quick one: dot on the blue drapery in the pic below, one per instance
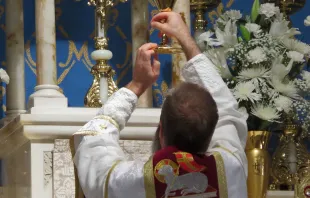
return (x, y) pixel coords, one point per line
(75, 30)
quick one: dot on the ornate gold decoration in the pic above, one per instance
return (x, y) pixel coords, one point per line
(302, 189)
(102, 8)
(149, 183)
(164, 47)
(288, 7)
(258, 163)
(220, 169)
(281, 171)
(200, 7)
(102, 68)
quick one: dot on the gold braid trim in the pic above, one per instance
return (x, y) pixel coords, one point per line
(95, 133)
(106, 186)
(149, 183)
(107, 118)
(86, 132)
(221, 175)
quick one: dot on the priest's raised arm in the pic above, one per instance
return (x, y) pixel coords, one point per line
(103, 170)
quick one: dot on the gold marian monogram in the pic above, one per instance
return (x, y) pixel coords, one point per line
(81, 54)
(259, 166)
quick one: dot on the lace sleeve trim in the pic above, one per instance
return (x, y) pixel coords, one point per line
(200, 70)
(119, 107)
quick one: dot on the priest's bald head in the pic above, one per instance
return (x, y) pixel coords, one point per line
(188, 119)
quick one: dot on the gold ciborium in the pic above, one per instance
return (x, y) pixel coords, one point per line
(164, 47)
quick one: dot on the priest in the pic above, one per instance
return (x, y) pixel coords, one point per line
(200, 138)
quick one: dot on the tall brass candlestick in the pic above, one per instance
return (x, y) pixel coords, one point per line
(103, 85)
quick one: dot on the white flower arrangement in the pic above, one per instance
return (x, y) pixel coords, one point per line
(262, 63)
(307, 21)
(4, 77)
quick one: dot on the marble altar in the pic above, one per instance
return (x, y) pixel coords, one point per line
(36, 153)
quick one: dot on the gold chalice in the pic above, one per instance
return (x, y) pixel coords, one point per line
(164, 47)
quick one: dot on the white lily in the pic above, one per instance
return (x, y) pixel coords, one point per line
(307, 21)
(206, 38)
(4, 77)
(229, 36)
(288, 89)
(280, 70)
(219, 59)
(280, 29)
(296, 45)
(296, 56)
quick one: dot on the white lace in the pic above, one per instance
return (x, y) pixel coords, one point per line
(200, 70)
(120, 106)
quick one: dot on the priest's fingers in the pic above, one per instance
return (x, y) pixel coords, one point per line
(146, 51)
(161, 16)
(156, 66)
(148, 46)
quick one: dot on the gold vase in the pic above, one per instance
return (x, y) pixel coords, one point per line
(258, 162)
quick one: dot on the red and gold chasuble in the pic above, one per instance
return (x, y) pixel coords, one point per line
(173, 173)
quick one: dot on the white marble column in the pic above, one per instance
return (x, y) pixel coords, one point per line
(140, 36)
(15, 57)
(46, 56)
(178, 60)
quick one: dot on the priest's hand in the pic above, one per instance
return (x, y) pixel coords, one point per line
(173, 25)
(146, 70)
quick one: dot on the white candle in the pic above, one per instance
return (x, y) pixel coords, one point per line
(103, 90)
(292, 157)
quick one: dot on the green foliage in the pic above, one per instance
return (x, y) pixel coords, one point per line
(245, 33)
(255, 10)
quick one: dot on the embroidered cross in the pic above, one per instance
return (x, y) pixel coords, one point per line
(103, 126)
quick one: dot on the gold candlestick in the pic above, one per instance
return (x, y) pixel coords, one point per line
(102, 70)
(200, 7)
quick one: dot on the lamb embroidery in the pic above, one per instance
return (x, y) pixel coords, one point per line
(195, 182)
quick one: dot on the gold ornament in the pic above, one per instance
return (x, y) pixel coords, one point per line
(258, 163)
(284, 170)
(200, 7)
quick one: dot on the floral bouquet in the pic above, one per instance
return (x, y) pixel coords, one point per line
(263, 65)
